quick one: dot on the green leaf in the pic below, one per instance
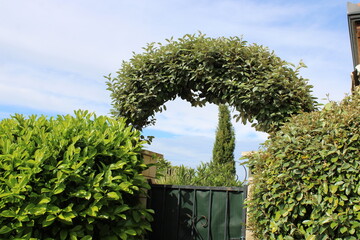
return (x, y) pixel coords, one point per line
(311, 237)
(299, 196)
(83, 194)
(92, 211)
(38, 210)
(53, 209)
(343, 229)
(65, 218)
(136, 216)
(333, 188)
(118, 165)
(123, 236)
(329, 106)
(87, 237)
(8, 213)
(73, 236)
(48, 220)
(59, 189)
(344, 197)
(63, 234)
(326, 220)
(3, 195)
(5, 229)
(131, 232)
(326, 188)
(45, 200)
(355, 224)
(333, 225)
(277, 215)
(121, 208)
(113, 195)
(339, 183)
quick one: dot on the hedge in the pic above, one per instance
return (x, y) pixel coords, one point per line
(71, 178)
(307, 177)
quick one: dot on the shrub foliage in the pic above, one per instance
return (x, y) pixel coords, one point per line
(307, 179)
(70, 178)
(206, 174)
(201, 69)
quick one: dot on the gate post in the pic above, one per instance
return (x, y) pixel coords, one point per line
(249, 233)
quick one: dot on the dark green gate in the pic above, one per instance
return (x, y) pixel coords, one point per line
(197, 213)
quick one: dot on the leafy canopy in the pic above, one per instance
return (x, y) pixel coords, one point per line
(307, 179)
(199, 69)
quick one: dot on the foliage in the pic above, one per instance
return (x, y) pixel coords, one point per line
(206, 174)
(200, 69)
(307, 179)
(224, 146)
(71, 178)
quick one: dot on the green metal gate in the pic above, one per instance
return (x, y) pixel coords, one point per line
(197, 213)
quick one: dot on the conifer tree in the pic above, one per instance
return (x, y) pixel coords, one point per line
(223, 151)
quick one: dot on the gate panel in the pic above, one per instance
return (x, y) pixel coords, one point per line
(197, 213)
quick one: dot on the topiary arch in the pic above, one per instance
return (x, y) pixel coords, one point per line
(200, 69)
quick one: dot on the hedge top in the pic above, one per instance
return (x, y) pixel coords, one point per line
(200, 69)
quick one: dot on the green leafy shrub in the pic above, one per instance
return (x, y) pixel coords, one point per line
(307, 179)
(206, 174)
(71, 178)
(199, 69)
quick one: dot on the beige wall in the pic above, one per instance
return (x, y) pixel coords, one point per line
(150, 157)
(150, 173)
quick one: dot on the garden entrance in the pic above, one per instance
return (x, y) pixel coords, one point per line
(197, 213)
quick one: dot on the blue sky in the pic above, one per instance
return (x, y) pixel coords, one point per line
(54, 54)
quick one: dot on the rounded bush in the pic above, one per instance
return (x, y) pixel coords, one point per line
(71, 178)
(307, 177)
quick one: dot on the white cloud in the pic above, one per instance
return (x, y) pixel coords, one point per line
(79, 38)
(89, 36)
(53, 82)
(30, 98)
(182, 119)
(49, 91)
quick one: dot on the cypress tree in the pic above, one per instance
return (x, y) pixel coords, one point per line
(223, 151)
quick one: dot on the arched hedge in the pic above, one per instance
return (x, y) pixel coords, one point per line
(199, 69)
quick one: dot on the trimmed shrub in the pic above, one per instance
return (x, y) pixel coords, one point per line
(307, 179)
(71, 178)
(224, 146)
